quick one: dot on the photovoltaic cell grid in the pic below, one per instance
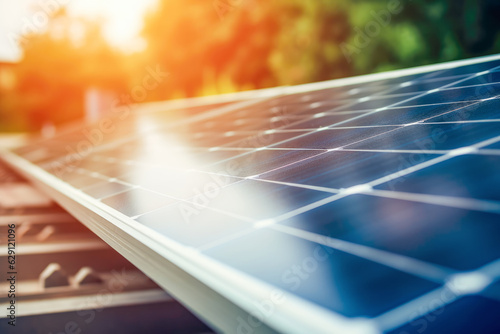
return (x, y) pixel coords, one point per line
(374, 200)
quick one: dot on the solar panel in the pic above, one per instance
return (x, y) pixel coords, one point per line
(360, 205)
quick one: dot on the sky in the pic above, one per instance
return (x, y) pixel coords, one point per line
(123, 20)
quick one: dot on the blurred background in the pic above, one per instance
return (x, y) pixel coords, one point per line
(63, 60)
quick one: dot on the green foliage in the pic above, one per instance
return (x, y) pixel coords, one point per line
(235, 45)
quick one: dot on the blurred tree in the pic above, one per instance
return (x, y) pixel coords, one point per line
(58, 65)
(230, 45)
(426, 32)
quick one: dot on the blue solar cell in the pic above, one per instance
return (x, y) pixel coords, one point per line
(404, 115)
(377, 102)
(191, 224)
(311, 108)
(207, 157)
(451, 94)
(333, 279)
(262, 139)
(137, 201)
(346, 92)
(455, 238)
(402, 79)
(221, 124)
(494, 146)
(471, 69)
(296, 104)
(180, 184)
(458, 176)
(320, 121)
(333, 138)
(425, 85)
(492, 291)
(259, 200)
(343, 169)
(219, 138)
(492, 77)
(471, 314)
(257, 162)
(476, 111)
(431, 137)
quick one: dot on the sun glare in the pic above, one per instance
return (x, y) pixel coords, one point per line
(123, 20)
